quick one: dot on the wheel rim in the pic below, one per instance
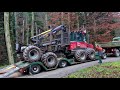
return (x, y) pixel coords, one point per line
(92, 55)
(82, 56)
(35, 69)
(117, 53)
(63, 63)
(33, 54)
(51, 60)
(104, 56)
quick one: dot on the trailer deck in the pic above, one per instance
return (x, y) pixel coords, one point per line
(109, 44)
(15, 68)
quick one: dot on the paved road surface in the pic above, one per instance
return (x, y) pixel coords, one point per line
(61, 72)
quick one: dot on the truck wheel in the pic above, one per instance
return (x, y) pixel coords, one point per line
(117, 53)
(34, 69)
(80, 56)
(49, 59)
(104, 56)
(62, 64)
(90, 53)
(32, 53)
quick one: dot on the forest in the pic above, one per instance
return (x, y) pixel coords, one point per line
(18, 27)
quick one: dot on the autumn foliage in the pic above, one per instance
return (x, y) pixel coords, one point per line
(100, 25)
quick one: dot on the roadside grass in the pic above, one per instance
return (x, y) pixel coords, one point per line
(2, 66)
(105, 70)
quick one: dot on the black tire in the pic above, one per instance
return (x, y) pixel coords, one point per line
(117, 53)
(49, 59)
(80, 56)
(90, 53)
(63, 64)
(104, 56)
(32, 53)
(35, 69)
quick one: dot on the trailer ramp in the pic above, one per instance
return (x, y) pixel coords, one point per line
(11, 69)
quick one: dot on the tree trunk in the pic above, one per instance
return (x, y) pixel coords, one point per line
(62, 22)
(36, 28)
(26, 28)
(28, 35)
(46, 21)
(78, 21)
(7, 37)
(23, 32)
(69, 21)
(32, 26)
(94, 28)
(85, 20)
(16, 32)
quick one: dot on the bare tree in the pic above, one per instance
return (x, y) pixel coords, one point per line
(32, 26)
(23, 37)
(7, 37)
(69, 20)
(62, 15)
(46, 20)
(27, 28)
(78, 21)
(16, 27)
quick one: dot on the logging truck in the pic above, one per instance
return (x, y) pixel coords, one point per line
(56, 47)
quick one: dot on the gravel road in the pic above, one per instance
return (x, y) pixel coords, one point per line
(61, 72)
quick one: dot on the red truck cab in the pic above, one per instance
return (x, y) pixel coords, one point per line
(78, 40)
